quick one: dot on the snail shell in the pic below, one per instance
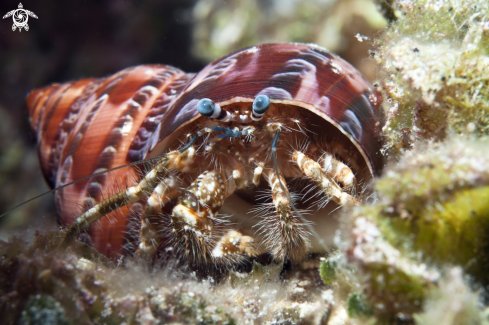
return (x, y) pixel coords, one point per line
(91, 125)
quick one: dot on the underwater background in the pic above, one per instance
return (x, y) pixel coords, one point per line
(418, 254)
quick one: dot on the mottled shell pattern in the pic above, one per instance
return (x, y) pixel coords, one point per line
(87, 126)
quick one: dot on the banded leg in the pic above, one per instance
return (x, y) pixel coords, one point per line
(331, 189)
(151, 221)
(174, 159)
(338, 171)
(283, 230)
(196, 231)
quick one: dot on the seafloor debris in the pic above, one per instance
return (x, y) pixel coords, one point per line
(39, 284)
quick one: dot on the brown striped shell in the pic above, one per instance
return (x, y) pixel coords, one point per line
(90, 125)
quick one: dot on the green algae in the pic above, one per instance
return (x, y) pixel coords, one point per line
(43, 309)
(327, 270)
(357, 306)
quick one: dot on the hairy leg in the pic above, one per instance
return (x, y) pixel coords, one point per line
(198, 233)
(151, 220)
(330, 188)
(284, 232)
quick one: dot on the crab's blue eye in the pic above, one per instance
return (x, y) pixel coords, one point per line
(207, 107)
(261, 105)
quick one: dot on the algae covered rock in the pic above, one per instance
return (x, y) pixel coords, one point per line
(421, 247)
(432, 212)
(435, 201)
(435, 60)
(41, 284)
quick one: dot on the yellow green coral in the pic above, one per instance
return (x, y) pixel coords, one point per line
(433, 203)
(436, 200)
(432, 212)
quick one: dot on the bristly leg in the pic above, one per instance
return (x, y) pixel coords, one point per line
(198, 233)
(233, 247)
(284, 232)
(152, 219)
(328, 186)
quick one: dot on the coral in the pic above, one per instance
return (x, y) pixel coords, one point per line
(435, 61)
(439, 203)
(432, 212)
(406, 255)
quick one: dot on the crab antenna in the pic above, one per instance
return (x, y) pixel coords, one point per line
(292, 205)
(182, 150)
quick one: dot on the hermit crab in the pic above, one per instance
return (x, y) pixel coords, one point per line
(287, 127)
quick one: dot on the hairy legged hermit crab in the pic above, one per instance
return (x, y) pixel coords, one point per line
(248, 123)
